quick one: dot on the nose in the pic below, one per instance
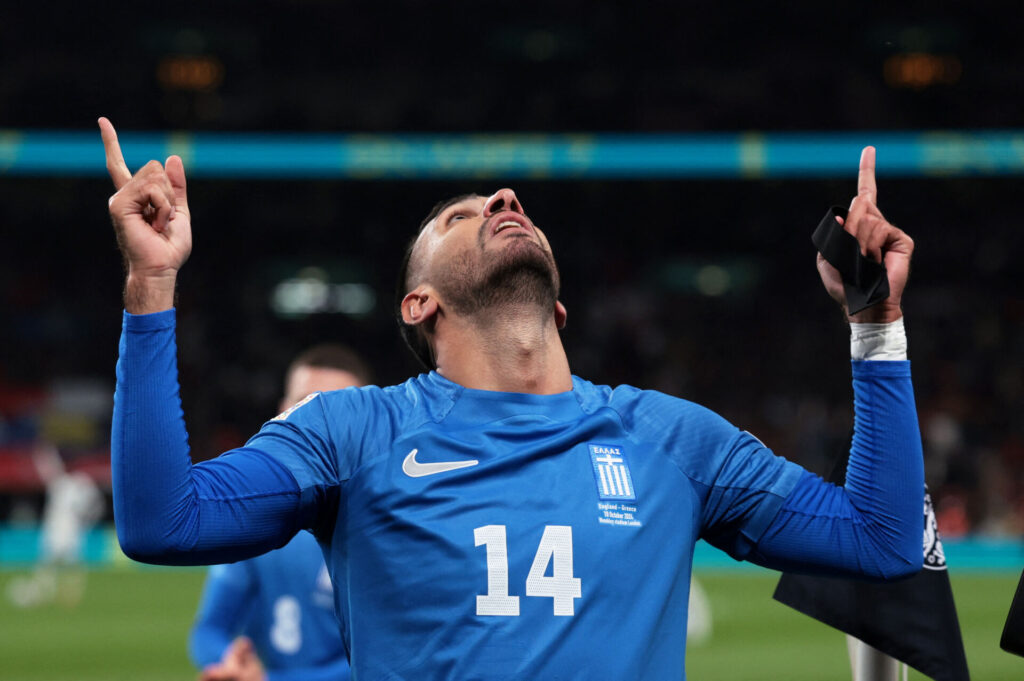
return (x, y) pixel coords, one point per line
(503, 199)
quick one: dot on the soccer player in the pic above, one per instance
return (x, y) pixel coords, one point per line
(498, 517)
(272, 617)
(74, 504)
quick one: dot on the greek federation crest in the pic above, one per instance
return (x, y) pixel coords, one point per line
(611, 472)
(934, 557)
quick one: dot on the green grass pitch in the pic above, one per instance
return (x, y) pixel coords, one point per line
(132, 625)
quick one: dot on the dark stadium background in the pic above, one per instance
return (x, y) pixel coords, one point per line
(769, 352)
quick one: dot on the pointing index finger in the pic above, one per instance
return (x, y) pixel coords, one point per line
(866, 176)
(116, 166)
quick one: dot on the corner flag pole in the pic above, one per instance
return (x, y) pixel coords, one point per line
(870, 664)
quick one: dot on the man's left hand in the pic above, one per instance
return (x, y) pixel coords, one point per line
(878, 240)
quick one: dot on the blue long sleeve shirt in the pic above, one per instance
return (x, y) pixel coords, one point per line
(284, 602)
(476, 534)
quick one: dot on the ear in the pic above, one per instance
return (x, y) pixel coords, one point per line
(418, 306)
(560, 314)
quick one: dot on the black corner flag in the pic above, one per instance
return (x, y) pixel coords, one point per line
(1012, 640)
(913, 620)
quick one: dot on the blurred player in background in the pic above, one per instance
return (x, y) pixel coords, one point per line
(497, 517)
(271, 618)
(74, 504)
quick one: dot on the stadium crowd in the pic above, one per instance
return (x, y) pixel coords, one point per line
(695, 317)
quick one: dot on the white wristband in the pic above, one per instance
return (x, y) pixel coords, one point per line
(878, 341)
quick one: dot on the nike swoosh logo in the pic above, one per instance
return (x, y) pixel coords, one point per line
(415, 469)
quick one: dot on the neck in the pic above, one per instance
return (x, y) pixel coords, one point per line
(513, 349)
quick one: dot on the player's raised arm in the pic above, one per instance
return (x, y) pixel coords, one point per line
(167, 510)
(871, 526)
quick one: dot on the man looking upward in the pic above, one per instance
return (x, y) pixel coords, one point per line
(271, 618)
(498, 517)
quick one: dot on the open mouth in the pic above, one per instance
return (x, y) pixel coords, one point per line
(511, 222)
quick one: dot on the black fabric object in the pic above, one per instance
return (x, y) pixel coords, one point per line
(913, 620)
(864, 280)
(1012, 640)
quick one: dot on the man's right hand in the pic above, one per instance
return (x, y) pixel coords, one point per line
(153, 225)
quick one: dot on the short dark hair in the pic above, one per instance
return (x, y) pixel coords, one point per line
(413, 335)
(333, 356)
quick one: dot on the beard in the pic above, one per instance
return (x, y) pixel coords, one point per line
(521, 273)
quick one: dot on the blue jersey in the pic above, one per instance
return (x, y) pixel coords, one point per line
(284, 602)
(483, 535)
(489, 529)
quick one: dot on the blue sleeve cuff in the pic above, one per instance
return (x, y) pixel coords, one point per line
(866, 368)
(156, 321)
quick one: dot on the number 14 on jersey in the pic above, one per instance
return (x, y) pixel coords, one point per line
(555, 549)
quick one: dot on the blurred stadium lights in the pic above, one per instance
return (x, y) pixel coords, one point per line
(729, 277)
(531, 156)
(201, 73)
(311, 292)
(919, 70)
(713, 280)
